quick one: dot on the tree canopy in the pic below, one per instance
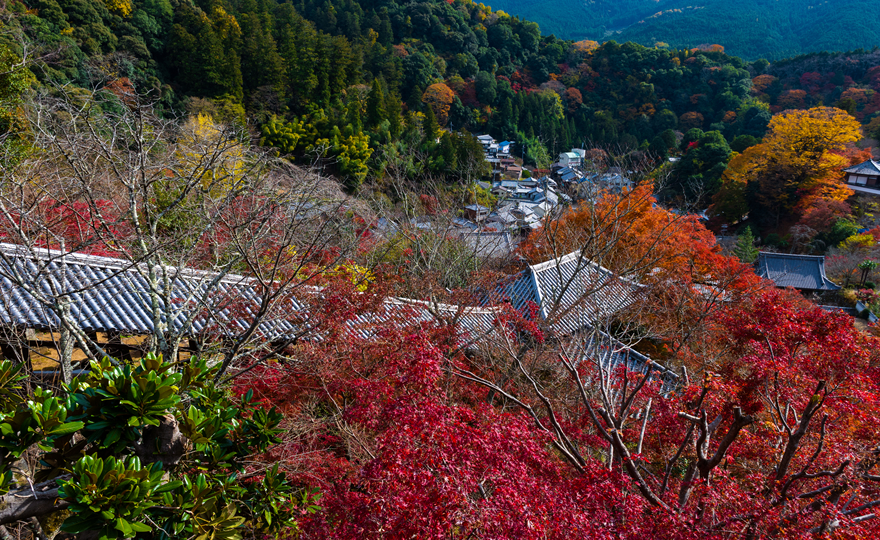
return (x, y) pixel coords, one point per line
(795, 167)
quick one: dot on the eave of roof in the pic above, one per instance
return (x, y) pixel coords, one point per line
(866, 167)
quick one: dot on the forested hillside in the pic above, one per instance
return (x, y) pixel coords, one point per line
(593, 19)
(352, 78)
(379, 89)
(750, 29)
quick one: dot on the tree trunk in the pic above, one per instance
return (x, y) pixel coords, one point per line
(22, 504)
(65, 345)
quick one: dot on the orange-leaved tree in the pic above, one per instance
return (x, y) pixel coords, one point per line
(629, 234)
(796, 166)
(439, 97)
(685, 277)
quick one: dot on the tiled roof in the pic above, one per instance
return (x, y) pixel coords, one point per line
(798, 271)
(869, 167)
(607, 352)
(112, 295)
(570, 292)
(492, 245)
(473, 323)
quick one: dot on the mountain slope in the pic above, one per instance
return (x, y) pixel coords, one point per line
(751, 29)
(591, 19)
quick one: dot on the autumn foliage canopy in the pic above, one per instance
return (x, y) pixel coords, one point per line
(778, 440)
(794, 169)
(407, 430)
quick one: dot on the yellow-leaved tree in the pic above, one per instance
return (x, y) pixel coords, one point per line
(796, 166)
(122, 7)
(354, 151)
(226, 172)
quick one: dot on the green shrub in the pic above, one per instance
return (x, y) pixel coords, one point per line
(134, 446)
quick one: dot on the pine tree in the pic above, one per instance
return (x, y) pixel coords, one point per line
(375, 105)
(745, 248)
(393, 110)
(430, 128)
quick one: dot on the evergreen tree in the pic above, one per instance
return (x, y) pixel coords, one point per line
(658, 148)
(353, 115)
(394, 111)
(745, 248)
(459, 115)
(375, 105)
(486, 88)
(430, 128)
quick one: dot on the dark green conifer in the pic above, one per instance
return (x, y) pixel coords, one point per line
(745, 248)
(375, 105)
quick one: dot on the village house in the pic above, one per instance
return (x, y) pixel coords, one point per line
(486, 140)
(492, 245)
(574, 158)
(525, 204)
(588, 187)
(476, 212)
(504, 167)
(111, 304)
(501, 220)
(864, 177)
(569, 159)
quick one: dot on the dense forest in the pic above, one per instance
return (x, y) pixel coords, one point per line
(360, 83)
(380, 89)
(751, 29)
(353, 78)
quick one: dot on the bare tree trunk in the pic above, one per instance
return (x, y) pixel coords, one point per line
(65, 348)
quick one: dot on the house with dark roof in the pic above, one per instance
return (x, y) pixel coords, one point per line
(113, 303)
(486, 141)
(802, 272)
(574, 298)
(570, 292)
(864, 177)
(476, 212)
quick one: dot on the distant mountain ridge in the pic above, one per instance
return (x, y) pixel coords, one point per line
(751, 29)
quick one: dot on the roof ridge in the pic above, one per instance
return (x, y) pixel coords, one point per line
(49, 254)
(401, 300)
(875, 163)
(790, 255)
(86, 259)
(540, 267)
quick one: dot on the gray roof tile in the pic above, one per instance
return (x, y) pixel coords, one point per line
(112, 295)
(797, 271)
(869, 167)
(570, 292)
(108, 295)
